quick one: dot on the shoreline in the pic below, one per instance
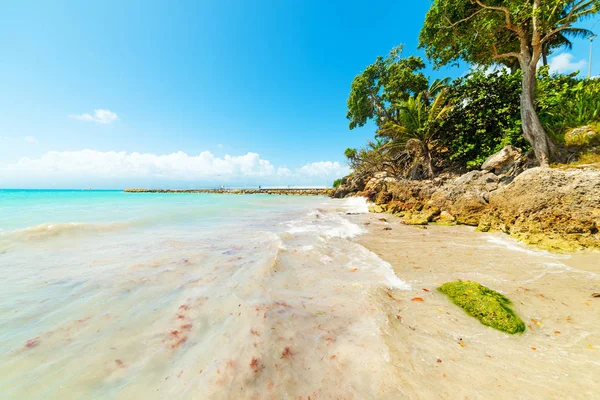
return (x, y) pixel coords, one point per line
(437, 349)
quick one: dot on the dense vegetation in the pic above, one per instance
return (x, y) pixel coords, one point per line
(424, 127)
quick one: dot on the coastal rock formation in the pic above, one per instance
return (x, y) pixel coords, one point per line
(505, 161)
(350, 185)
(553, 209)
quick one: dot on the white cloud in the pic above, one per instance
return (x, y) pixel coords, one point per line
(563, 64)
(31, 139)
(325, 168)
(100, 117)
(116, 169)
(283, 171)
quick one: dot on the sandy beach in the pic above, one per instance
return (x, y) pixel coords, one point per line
(438, 351)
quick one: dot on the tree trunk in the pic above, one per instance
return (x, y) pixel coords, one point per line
(545, 57)
(428, 161)
(532, 127)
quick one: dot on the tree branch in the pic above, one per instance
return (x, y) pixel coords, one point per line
(452, 25)
(506, 11)
(497, 56)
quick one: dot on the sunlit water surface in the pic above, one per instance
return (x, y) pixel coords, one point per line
(115, 295)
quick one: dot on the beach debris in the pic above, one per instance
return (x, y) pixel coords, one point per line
(417, 299)
(596, 295)
(383, 219)
(354, 270)
(439, 361)
(533, 348)
(426, 290)
(387, 228)
(256, 365)
(535, 321)
(287, 352)
(557, 332)
(31, 343)
(488, 306)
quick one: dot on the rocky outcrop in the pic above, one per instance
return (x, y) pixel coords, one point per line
(506, 161)
(550, 208)
(350, 185)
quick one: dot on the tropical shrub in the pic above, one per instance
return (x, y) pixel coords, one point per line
(566, 102)
(485, 117)
(418, 127)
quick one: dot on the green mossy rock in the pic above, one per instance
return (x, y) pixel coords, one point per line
(487, 305)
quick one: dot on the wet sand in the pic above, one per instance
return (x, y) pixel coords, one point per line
(438, 351)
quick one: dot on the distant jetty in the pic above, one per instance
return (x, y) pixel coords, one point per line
(281, 192)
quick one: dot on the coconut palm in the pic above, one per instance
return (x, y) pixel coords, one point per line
(416, 128)
(561, 39)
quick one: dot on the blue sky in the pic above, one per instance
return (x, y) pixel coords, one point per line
(255, 89)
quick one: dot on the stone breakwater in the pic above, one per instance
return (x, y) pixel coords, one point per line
(281, 192)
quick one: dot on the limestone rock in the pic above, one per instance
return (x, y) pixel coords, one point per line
(418, 218)
(552, 208)
(503, 161)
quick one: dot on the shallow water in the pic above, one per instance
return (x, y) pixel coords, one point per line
(118, 296)
(114, 295)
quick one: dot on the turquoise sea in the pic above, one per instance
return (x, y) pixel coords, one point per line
(116, 295)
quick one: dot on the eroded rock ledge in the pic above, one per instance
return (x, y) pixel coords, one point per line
(553, 209)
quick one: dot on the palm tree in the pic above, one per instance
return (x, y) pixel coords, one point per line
(416, 126)
(561, 39)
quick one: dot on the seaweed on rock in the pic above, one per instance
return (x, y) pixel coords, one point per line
(488, 306)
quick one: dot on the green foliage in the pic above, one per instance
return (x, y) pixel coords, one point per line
(477, 31)
(514, 32)
(381, 85)
(419, 121)
(485, 117)
(565, 102)
(488, 306)
(337, 182)
(373, 158)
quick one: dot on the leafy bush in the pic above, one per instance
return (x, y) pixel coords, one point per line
(337, 182)
(484, 119)
(566, 102)
(482, 116)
